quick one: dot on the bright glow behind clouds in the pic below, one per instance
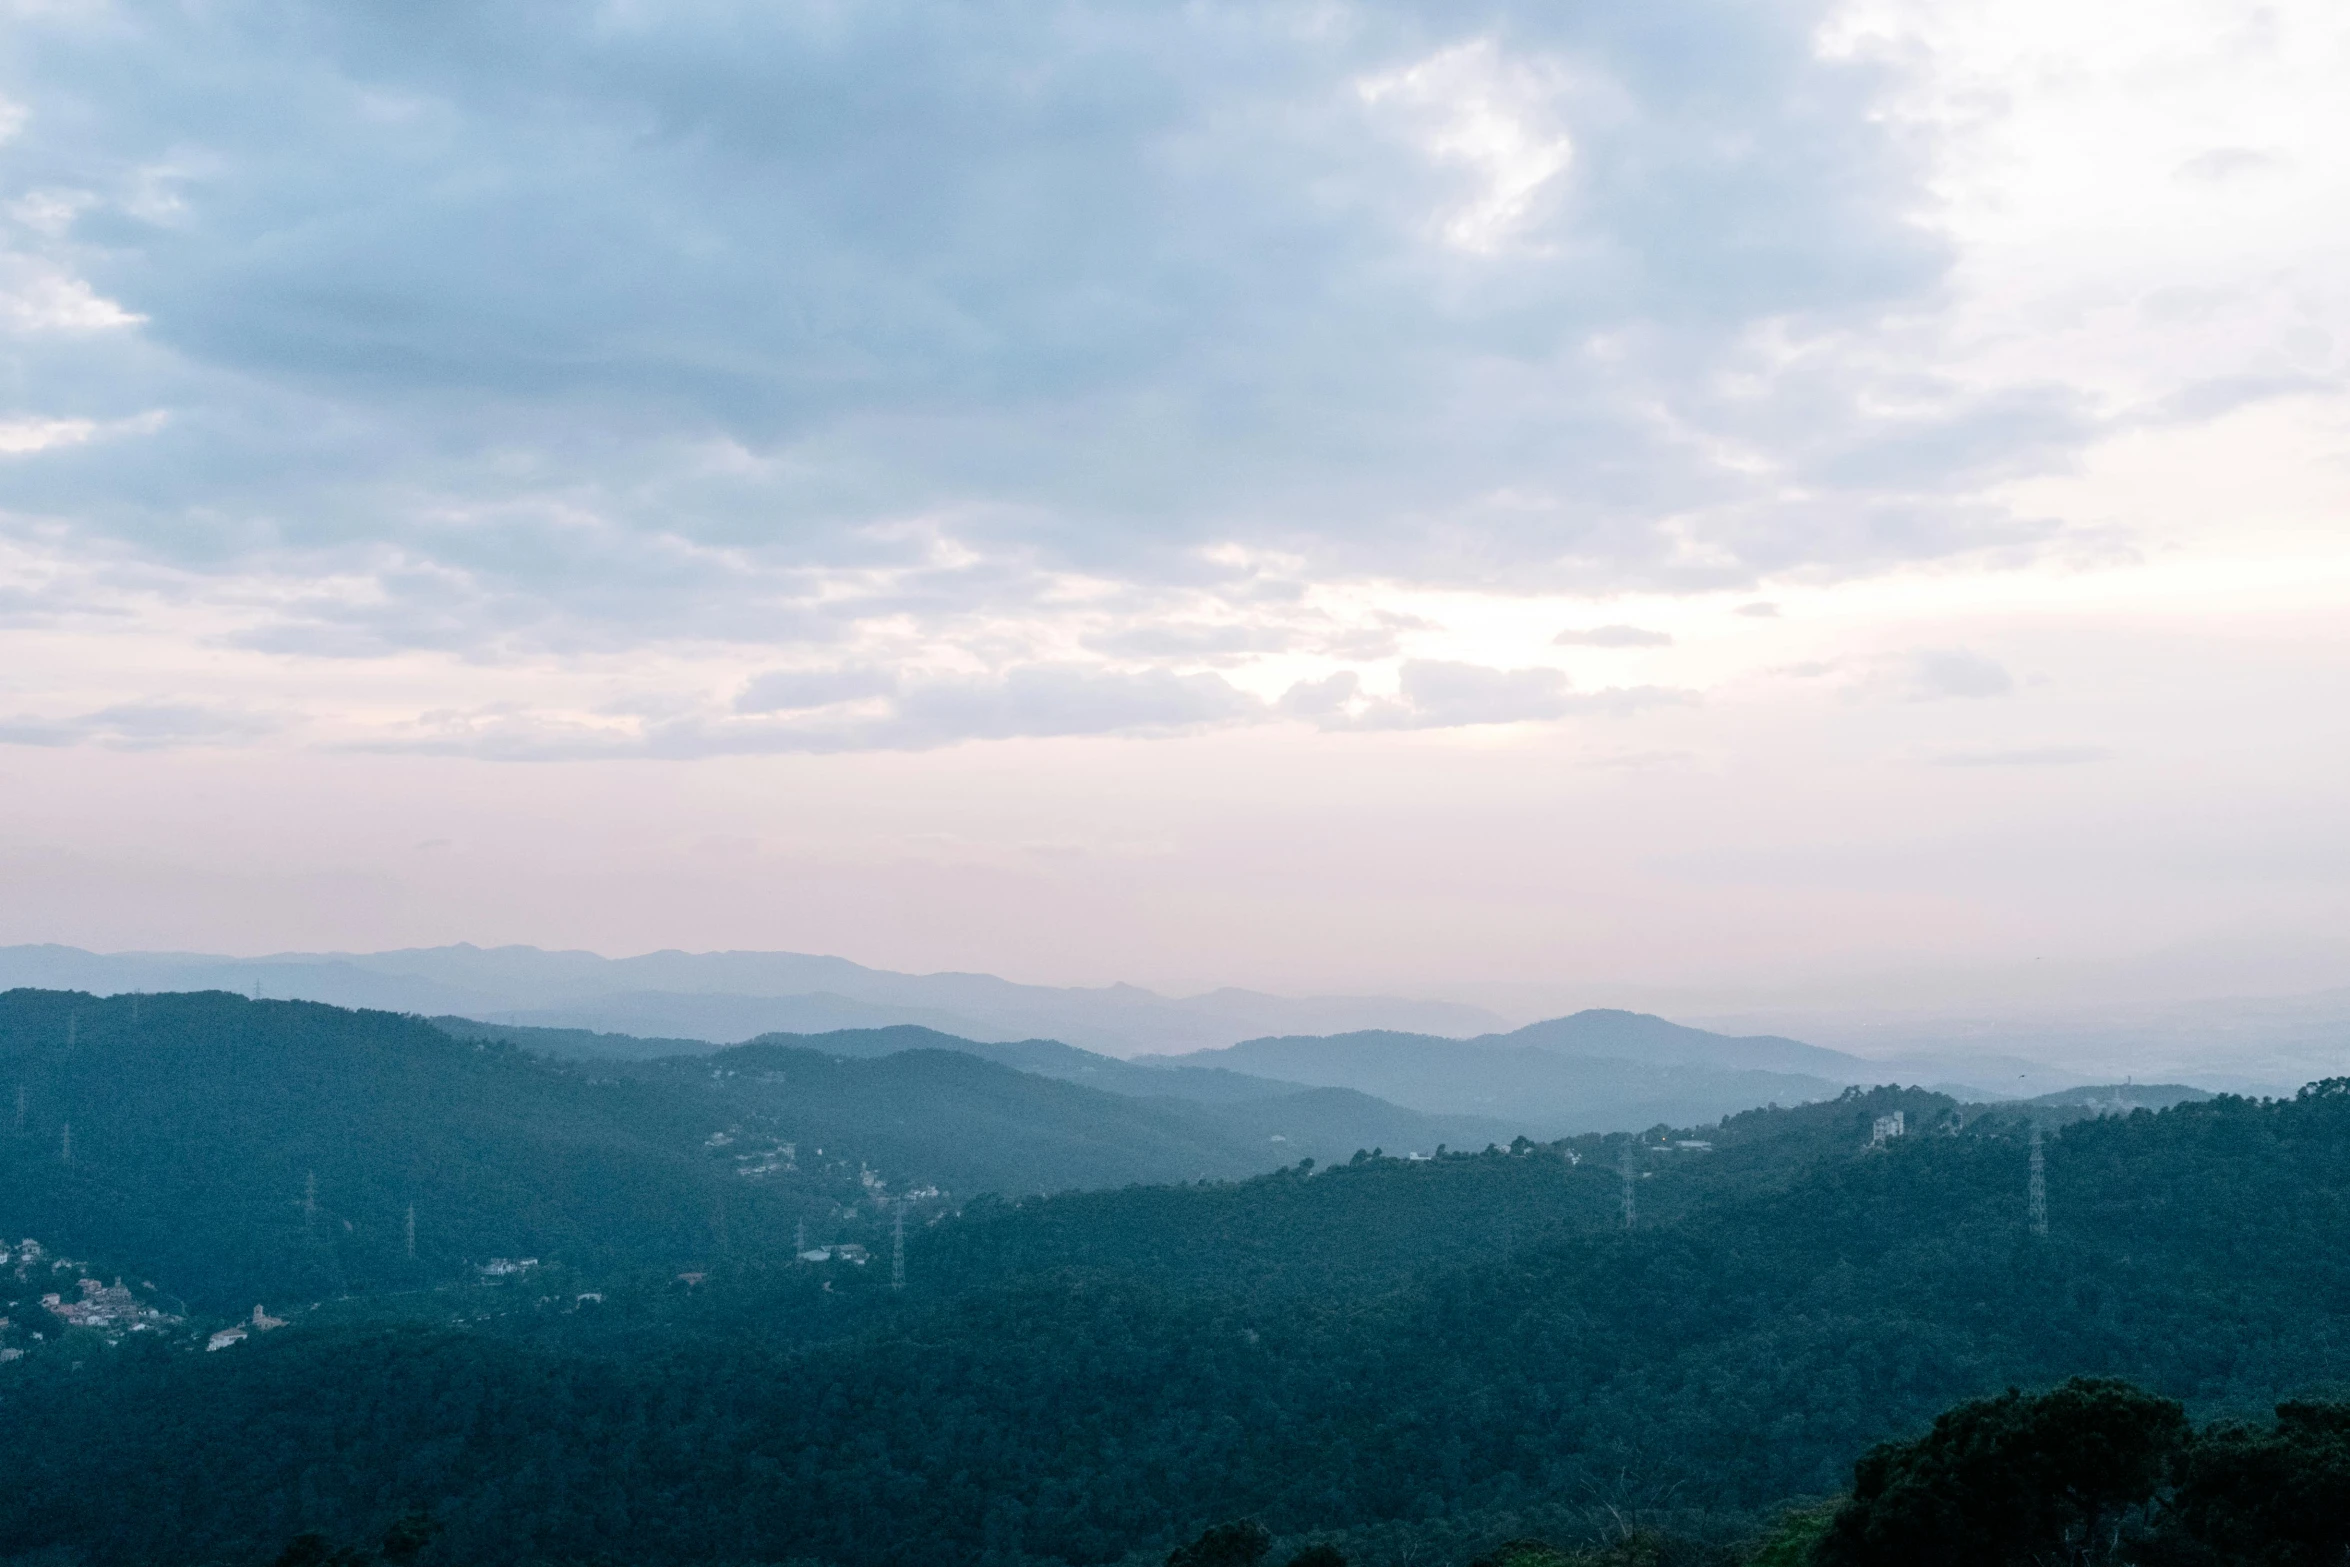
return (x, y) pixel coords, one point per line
(1100, 495)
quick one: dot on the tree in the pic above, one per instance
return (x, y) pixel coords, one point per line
(2278, 1498)
(1241, 1543)
(2016, 1479)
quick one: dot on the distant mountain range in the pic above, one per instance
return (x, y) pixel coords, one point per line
(1060, 1117)
(1595, 1071)
(723, 997)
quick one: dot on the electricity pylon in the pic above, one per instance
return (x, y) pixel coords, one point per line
(2037, 1196)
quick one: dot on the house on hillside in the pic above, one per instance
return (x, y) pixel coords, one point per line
(847, 1251)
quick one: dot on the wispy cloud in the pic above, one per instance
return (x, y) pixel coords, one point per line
(1613, 636)
(139, 726)
(2026, 756)
(1935, 673)
(1443, 694)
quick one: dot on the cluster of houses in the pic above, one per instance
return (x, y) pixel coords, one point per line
(769, 1156)
(110, 1308)
(107, 1308)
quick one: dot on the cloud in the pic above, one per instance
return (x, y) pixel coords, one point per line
(2027, 756)
(18, 436)
(1613, 636)
(2218, 396)
(1954, 672)
(23, 437)
(1178, 640)
(1324, 698)
(622, 327)
(1758, 611)
(811, 712)
(2218, 165)
(1040, 701)
(859, 708)
(794, 690)
(138, 726)
(1442, 694)
(1471, 106)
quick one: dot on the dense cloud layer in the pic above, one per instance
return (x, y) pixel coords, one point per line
(534, 325)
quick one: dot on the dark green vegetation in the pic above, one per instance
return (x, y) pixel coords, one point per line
(1406, 1360)
(240, 1151)
(2097, 1472)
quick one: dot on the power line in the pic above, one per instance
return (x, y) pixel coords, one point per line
(897, 1249)
(1628, 1209)
(2037, 1199)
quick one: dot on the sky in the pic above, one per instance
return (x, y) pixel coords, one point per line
(1712, 497)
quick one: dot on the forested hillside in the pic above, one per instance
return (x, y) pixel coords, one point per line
(236, 1150)
(1448, 1352)
(239, 1150)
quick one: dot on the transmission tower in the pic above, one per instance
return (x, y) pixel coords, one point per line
(2037, 1198)
(799, 1239)
(20, 1107)
(73, 1028)
(897, 1249)
(411, 1236)
(65, 1143)
(309, 1200)
(1628, 1173)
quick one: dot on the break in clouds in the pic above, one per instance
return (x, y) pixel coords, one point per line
(972, 371)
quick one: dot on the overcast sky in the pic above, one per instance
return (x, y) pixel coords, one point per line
(1707, 494)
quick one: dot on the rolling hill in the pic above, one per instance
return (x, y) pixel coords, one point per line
(235, 1149)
